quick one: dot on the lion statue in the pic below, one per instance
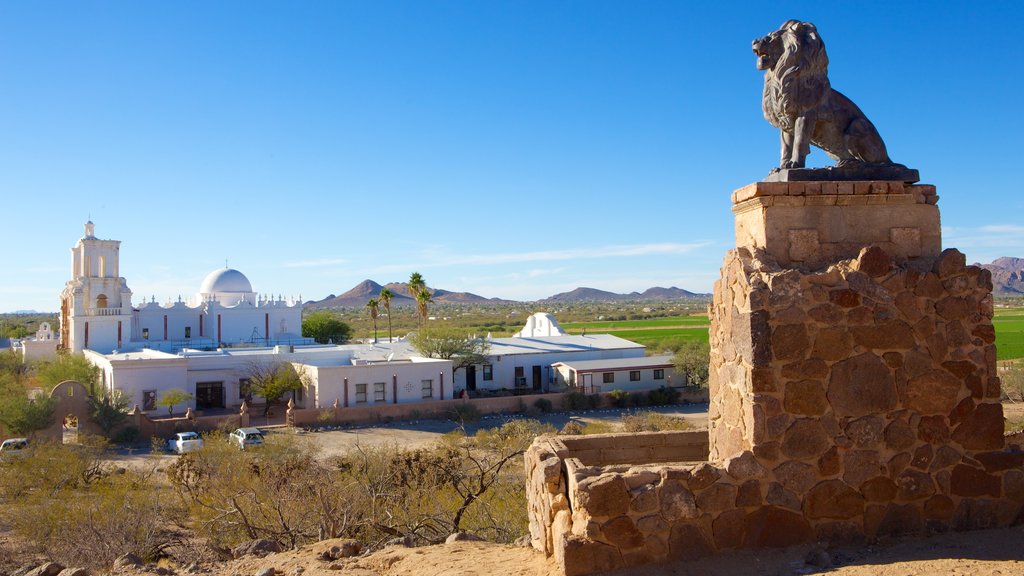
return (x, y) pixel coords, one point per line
(800, 102)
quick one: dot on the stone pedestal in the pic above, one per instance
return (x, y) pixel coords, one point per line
(853, 391)
(855, 360)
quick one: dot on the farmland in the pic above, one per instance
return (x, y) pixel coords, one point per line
(656, 332)
(1009, 325)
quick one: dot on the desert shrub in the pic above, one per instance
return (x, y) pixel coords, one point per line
(663, 396)
(278, 492)
(1012, 376)
(544, 405)
(619, 398)
(464, 414)
(77, 512)
(576, 400)
(571, 428)
(599, 427)
(639, 399)
(593, 401)
(127, 435)
(652, 422)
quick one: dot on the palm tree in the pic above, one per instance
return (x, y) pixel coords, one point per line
(422, 299)
(373, 305)
(416, 284)
(385, 299)
(418, 290)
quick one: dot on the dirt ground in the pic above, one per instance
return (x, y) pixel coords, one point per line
(983, 553)
(417, 433)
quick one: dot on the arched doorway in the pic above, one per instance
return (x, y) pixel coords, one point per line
(69, 429)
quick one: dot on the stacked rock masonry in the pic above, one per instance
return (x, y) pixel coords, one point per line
(854, 395)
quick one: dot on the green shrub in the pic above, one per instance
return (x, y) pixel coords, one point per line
(639, 399)
(663, 396)
(619, 398)
(544, 405)
(127, 435)
(576, 401)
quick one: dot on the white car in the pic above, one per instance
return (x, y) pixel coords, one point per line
(184, 442)
(12, 445)
(246, 437)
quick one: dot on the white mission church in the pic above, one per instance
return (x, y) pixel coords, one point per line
(209, 344)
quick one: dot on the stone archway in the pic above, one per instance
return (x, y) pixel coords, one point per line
(72, 406)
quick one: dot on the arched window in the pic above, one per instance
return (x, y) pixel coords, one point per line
(101, 301)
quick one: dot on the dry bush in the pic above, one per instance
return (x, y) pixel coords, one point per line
(1012, 377)
(277, 491)
(79, 512)
(652, 422)
(469, 483)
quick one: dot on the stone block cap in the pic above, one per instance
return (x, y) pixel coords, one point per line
(921, 193)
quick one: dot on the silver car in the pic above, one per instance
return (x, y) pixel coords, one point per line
(246, 438)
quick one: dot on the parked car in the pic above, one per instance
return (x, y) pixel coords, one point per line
(12, 445)
(184, 442)
(246, 437)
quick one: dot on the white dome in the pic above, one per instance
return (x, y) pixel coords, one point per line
(224, 281)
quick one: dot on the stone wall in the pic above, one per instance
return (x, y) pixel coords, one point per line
(851, 399)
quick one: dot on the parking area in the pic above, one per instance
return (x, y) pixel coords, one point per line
(417, 433)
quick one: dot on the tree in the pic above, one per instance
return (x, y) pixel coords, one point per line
(385, 299)
(325, 327)
(418, 290)
(13, 368)
(416, 284)
(374, 305)
(450, 343)
(22, 415)
(172, 398)
(423, 299)
(108, 411)
(273, 380)
(68, 367)
(692, 361)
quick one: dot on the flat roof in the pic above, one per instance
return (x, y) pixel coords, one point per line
(618, 364)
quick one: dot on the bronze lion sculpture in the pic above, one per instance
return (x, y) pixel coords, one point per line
(800, 102)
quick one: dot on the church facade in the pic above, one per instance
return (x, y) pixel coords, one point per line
(97, 313)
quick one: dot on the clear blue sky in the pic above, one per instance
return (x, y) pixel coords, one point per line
(510, 149)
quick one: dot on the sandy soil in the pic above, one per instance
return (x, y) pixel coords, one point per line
(984, 553)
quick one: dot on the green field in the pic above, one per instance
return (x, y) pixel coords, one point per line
(1009, 325)
(1008, 322)
(671, 322)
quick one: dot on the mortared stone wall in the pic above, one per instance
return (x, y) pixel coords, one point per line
(852, 397)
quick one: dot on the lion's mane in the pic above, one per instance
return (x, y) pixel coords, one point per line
(797, 80)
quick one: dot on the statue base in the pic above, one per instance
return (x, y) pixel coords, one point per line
(816, 224)
(862, 172)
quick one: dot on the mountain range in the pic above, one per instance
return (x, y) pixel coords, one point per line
(1007, 276)
(358, 295)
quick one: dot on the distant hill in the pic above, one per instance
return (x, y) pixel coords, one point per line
(358, 295)
(1007, 276)
(595, 295)
(361, 293)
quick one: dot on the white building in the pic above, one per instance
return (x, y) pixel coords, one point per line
(628, 374)
(96, 310)
(210, 345)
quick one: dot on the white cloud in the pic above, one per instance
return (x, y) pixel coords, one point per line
(315, 263)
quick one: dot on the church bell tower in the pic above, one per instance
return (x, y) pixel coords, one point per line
(96, 304)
